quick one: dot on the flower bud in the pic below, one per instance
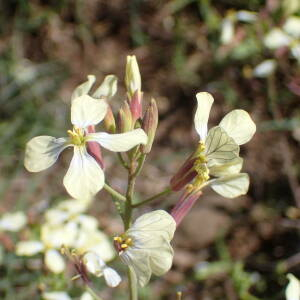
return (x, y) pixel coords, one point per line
(124, 118)
(109, 121)
(94, 148)
(149, 125)
(136, 105)
(132, 76)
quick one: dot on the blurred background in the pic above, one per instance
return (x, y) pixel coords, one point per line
(246, 53)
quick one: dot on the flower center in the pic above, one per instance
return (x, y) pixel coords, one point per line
(200, 166)
(77, 136)
(122, 242)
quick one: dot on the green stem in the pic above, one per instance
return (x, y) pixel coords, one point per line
(123, 162)
(140, 165)
(129, 195)
(114, 193)
(133, 293)
(163, 193)
(92, 292)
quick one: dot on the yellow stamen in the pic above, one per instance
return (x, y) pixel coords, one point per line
(124, 246)
(77, 136)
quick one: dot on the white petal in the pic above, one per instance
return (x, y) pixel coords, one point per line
(205, 101)
(227, 33)
(84, 88)
(138, 261)
(292, 291)
(220, 148)
(246, 16)
(84, 177)
(112, 278)
(155, 221)
(86, 296)
(231, 186)
(233, 167)
(54, 261)
(266, 68)
(276, 38)
(13, 221)
(86, 111)
(42, 152)
(292, 26)
(29, 248)
(56, 296)
(121, 142)
(94, 263)
(108, 87)
(239, 125)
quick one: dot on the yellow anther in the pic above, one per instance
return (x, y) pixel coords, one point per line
(77, 136)
(124, 246)
(118, 239)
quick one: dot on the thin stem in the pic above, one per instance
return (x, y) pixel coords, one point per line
(163, 193)
(140, 165)
(133, 292)
(129, 195)
(114, 193)
(92, 292)
(123, 162)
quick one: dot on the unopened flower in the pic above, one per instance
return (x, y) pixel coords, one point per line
(145, 246)
(217, 153)
(97, 266)
(84, 177)
(292, 291)
(13, 221)
(132, 76)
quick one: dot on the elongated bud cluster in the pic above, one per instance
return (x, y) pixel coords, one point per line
(149, 125)
(132, 76)
(125, 122)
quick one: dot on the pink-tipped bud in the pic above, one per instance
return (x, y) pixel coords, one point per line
(124, 118)
(184, 205)
(94, 148)
(136, 105)
(184, 175)
(109, 121)
(149, 125)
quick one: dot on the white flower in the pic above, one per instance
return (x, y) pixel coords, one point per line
(227, 33)
(292, 291)
(292, 26)
(13, 221)
(56, 296)
(277, 38)
(84, 177)
(266, 68)
(97, 266)
(218, 150)
(145, 246)
(86, 296)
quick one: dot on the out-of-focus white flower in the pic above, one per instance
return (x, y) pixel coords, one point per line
(97, 266)
(292, 291)
(59, 295)
(292, 26)
(87, 296)
(13, 221)
(145, 246)
(290, 6)
(246, 16)
(217, 153)
(84, 177)
(227, 33)
(266, 68)
(277, 38)
(29, 248)
(295, 50)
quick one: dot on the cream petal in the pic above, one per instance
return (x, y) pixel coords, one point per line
(205, 101)
(29, 248)
(138, 261)
(108, 87)
(86, 296)
(112, 278)
(220, 148)
(94, 263)
(86, 111)
(239, 125)
(231, 186)
(276, 38)
(233, 167)
(56, 296)
(54, 261)
(13, 221)
(84, 88)
(155, 221)
(42, 152)
(84, 177)
(121, 142)
(292, 291)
